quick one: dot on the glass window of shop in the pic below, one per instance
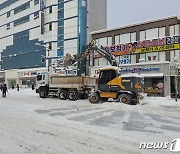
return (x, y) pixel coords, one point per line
(153, 57)
(154, 86)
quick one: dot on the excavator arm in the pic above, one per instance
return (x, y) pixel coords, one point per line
(71, 60)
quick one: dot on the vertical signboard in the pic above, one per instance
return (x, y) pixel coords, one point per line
(42, 8)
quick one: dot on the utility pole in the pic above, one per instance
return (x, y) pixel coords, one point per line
(47, 52)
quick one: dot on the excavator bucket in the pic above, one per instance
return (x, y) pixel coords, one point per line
(67, 60)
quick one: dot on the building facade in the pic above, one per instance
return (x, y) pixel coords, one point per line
(32, 30)
(150, 48)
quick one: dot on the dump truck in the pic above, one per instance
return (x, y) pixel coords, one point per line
(64, 87)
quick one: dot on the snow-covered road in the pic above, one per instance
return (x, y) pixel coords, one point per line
(29, 124)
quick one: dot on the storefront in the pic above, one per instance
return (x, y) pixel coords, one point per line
(27, 77)
(157, 76)
(151, 49)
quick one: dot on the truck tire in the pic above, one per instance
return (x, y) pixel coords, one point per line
(125, 99)
(72, 95)
(42, 94)
(94, 98)
(63, 95)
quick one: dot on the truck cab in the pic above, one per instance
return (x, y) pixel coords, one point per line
(41, 80)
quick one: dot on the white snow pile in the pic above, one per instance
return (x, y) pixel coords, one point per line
(157, 101)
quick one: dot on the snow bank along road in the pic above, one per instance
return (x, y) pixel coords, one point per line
(31, 125)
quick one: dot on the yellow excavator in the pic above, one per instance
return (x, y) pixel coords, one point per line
(111, 84)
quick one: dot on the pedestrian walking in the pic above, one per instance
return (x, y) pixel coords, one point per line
(32, 86)
(17, 86)
(4, 90)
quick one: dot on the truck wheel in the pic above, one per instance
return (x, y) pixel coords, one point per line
(63, 95)
(72, 95)
(42, 94)
(94, 98)
(125, 98)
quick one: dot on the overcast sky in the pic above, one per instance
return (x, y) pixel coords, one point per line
(125, 12)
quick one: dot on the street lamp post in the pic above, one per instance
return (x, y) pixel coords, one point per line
(176, 81)
(47, 52)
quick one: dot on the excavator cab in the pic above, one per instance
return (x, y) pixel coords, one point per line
(106, 75)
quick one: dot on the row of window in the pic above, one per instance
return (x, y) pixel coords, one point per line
(26, 19)
(148, 34)
(145, 57)
(26, 6)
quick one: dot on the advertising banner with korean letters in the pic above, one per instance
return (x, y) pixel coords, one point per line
(154, 45)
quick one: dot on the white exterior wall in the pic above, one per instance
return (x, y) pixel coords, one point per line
(71, 27)
(97, 16)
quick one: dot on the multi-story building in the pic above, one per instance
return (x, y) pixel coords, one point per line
(34, 29)
(151, 49)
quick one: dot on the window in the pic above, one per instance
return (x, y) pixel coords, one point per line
(162, 56)
(50, 46)
(106, 76)
(125, 38)
(36, 15)
(102, 61)
(152, 57)
(174, 30)
(96, 62)
(175, 55)
(125, 59)
(103, 41)
(50, 9)
(8, 26)
(22, 7)
(21, 20)
(50, 26)
(151, 33)
(109, 41)
(133, 37)
(36, 2)
(117, 40)
(8, 14)
(154, 33)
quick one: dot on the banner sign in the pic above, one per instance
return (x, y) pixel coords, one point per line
(160, 44)
(140, 69)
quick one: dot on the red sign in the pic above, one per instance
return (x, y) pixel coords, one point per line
(26, 74)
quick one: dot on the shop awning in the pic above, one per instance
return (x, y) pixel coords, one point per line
(153, 75)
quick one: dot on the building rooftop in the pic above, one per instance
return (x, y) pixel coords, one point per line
(136, 24)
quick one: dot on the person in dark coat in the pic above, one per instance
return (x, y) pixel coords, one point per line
(32, 86)
(4, 90)
(17, 86)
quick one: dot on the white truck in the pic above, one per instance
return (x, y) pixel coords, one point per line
(64, 87)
